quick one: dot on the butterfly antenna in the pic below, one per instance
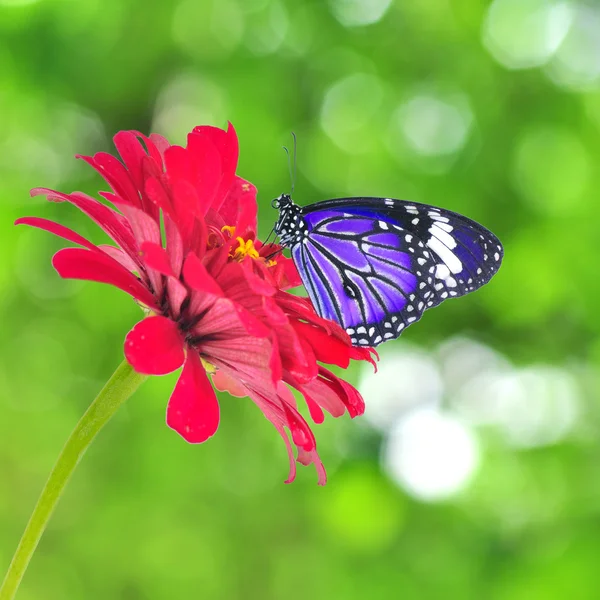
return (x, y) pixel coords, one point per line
(273, 254)
(289, 166)
(295, 154)
(292, 170)
(266, 242)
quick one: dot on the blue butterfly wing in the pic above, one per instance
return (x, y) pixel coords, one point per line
(375, 265)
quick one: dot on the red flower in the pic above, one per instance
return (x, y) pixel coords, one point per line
(214, 303)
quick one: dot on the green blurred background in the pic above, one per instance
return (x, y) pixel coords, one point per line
(476, 471)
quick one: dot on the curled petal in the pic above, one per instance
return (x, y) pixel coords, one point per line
(306, 458)
(347, 394)
(274, 414)
(368, 354)
(155, 346)
(290, 452)
(328, 349)
(316, 412)
(193, 410)
(77, 263)
(302, 435)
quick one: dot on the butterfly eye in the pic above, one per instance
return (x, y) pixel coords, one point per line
(275, 203)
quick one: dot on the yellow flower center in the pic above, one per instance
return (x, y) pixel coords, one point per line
(245, 247)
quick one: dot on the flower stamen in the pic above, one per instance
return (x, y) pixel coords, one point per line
(245, 248)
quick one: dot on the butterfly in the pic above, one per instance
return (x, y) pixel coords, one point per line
(374, 265)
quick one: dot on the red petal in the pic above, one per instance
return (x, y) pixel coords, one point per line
(177, 294)
(327, 348)
(226, 143)
(177, 164)
(197, 277)
(240, 208)
(206, 166)
(157, 194)
(114, 224)
(275, 360)
(243, 358)
(368, 354)
(77, 263)
(155, 145)
(174, 244)
(145, 229)
(156, 258)
(193, 410)
(284, 272)
(116, 175)
(121, 257)
(155, 346)
(302, 434)
(273, 413)
(330, 392)
(133, 154)
(306, 458)
(160, 143)
(316, 413)
(56, 229)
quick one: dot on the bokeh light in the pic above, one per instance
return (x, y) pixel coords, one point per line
(407, 378)
(522, 34)
(431, 454)
(354, 13)
(348, 110)
(576, 64)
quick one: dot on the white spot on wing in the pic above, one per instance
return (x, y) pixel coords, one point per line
(443, 236)
(442, 271)
(450, 259)
(444, 226)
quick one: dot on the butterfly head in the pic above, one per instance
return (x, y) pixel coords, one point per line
(290, 226)
(282, 202)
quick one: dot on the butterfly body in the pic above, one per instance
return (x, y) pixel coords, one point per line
(375, 265)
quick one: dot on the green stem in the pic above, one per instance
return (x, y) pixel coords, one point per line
(119, 387)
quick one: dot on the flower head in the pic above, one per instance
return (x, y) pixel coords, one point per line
(185, 248)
